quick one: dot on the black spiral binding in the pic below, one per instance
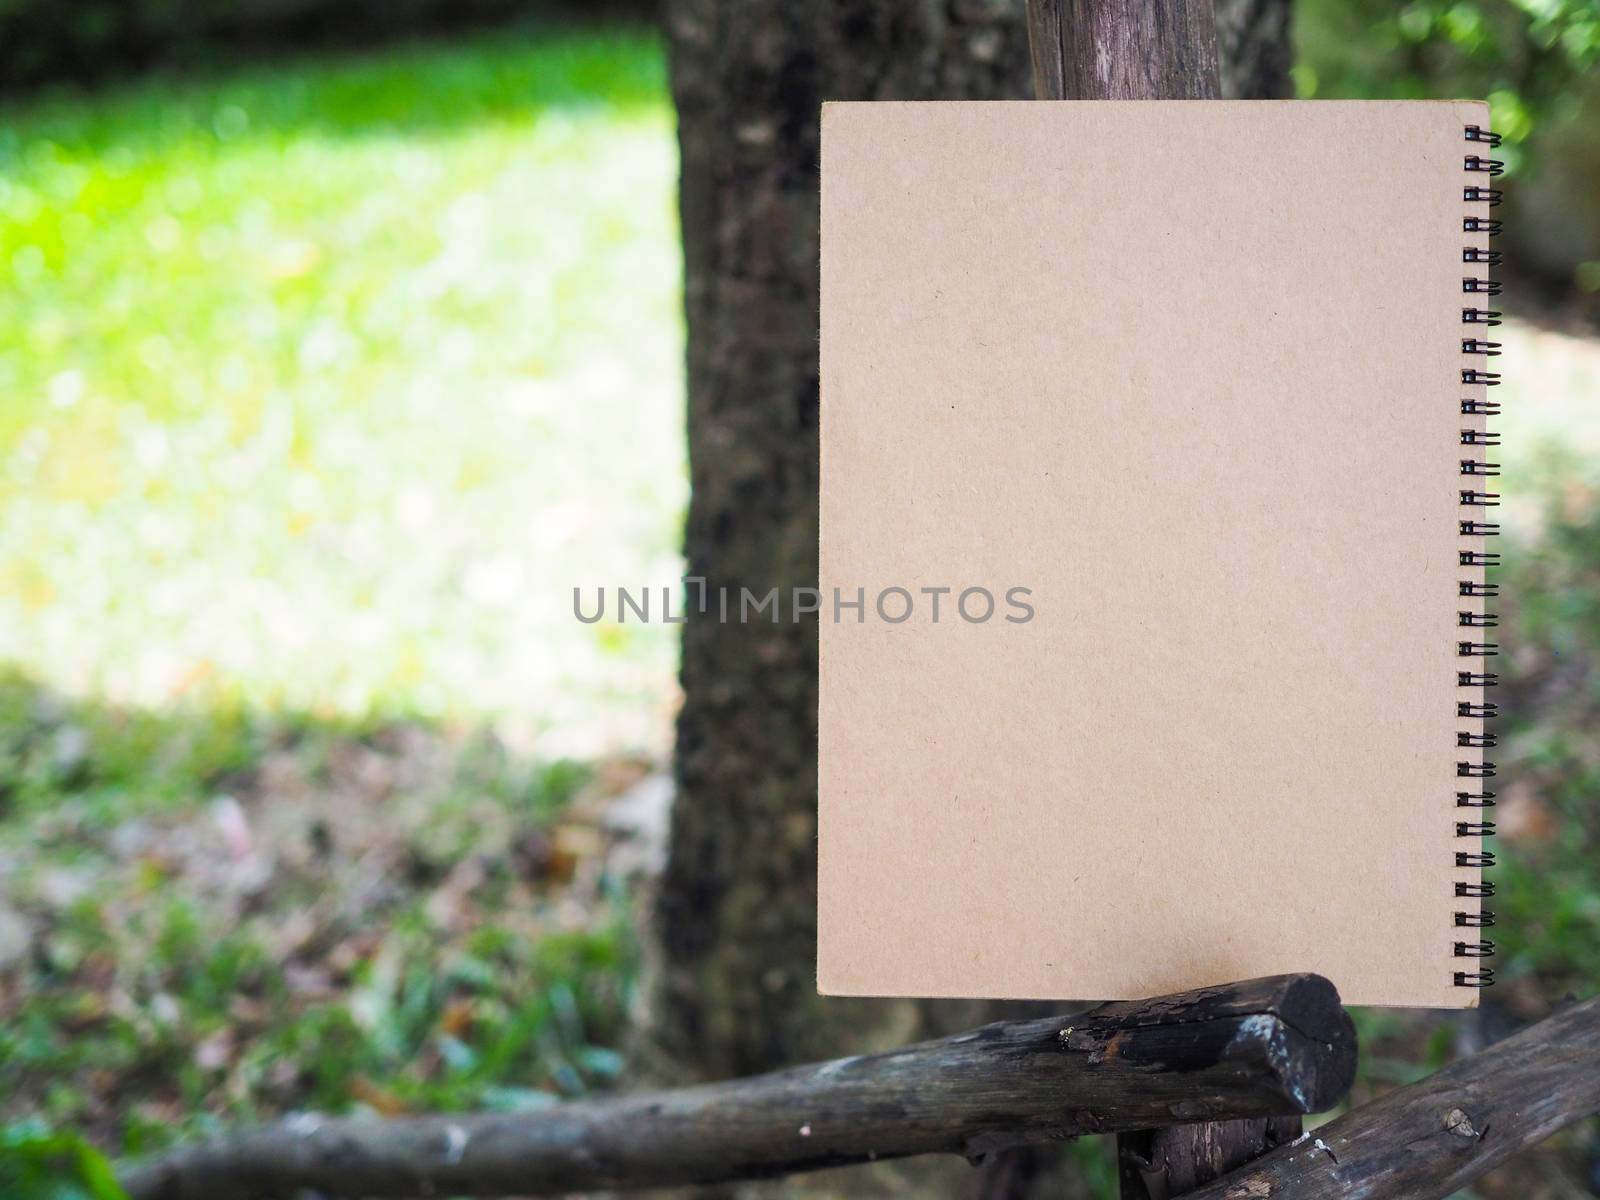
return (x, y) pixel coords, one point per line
(1472, 498)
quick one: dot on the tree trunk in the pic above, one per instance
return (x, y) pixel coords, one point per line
(730, 980)
(1254, 49)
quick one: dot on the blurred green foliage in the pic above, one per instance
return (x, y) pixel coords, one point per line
(426, 951)
(1549, 881)
(1527, 57)
(40, 1163)
(92, 41)
(322, 379)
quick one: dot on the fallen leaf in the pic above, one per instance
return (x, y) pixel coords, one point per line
(1524, 816)
(571, 845)
(376, 1097)
(457, 1017)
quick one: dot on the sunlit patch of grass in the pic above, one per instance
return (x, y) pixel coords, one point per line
(324, 383)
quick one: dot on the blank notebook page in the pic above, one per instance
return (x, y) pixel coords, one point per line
(1189, 373)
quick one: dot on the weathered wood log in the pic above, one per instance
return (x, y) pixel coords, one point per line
(1265, 1047)
(1434, 1137)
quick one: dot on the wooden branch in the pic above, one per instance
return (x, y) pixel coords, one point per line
(1264, 1047)
(1123, 50)
(1434, 1137)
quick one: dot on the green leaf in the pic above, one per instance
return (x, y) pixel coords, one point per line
(38, 1163)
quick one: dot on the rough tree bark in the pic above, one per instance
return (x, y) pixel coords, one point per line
(1254, 50)
(1251, 44)
(731, 986)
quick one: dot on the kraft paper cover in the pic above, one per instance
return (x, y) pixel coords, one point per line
(1189, 373)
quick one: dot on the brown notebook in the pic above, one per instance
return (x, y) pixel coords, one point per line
(1154, 505)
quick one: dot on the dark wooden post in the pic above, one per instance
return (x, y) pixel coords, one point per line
(1123, 50)
(1136, 50)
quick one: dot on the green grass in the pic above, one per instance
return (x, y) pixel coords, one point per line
(322, 383)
